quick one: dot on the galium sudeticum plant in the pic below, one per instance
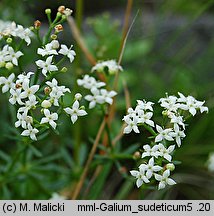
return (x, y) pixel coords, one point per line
(156, 162)
(37, 96)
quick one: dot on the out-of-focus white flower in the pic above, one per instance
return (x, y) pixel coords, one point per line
(150, 168)
(49, 118)
(164, 179)
(7, 83)
(163, 134)
(90, 82)
(67, 52)
(75, 111)
(94, 98)
(131, 124)
(56, 196)
(165, 152)
(110, 66)
(145, 105)
(47, 65)
(210, 162)
(31, 132)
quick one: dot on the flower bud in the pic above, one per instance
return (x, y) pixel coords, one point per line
(46, 104)
(9, 40)
(165, 113)
(78, 96)
(53, 37)
(64, 17)
(64, 69)
(61, 8)
(47, 90)
(31, 28)
(18, 85)
(136, 155)
(9, 66)
(29, 119)
(37, 24)
(58, 28)
(55, 44)
(48, 11)
(82, 107)
(58, 15)
(2, 64)
(170, 166)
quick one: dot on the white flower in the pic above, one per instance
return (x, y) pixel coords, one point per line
(177, 120)
(163, 134)
(178, 134)
(15, 96)
(56, 196)
(148, 151)
(90, 82)
(107, 95)
(23, 120)
(131, 124)
(150, 168)
(163, 152)
(47, 65)
(50, 49)
(164, 179)
(111, 66)
(30, 104)
(28, 91)
(210, 162)
(145, 118)
(145, 105)
(140, 176)
(75, 111)
(7, 83)
(12, 56)
(67, 52)
(49, 118)
(94, 98)
(24, 77)
(31, 132)
(169, 103)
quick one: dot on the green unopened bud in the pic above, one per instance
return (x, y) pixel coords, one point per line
(64, 17)
(170, 166)
(9, 66)
(46, 104)
(31, 28)
(2, 64)
(64, 69)
(82, 107)
(78, 96)
(58, 15)
(53, 37)
(9, 40)
(165, 113)
(48, 11)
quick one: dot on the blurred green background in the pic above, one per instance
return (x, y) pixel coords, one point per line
(170, 49)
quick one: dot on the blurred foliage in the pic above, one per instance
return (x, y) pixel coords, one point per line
(159, 57)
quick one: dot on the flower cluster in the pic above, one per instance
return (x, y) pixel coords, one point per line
(159, 153)
(38, 99)
(98, 94)
(111, 67)
(8, 57)
(11, 29)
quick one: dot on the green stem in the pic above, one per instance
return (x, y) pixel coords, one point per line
(148, 128)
